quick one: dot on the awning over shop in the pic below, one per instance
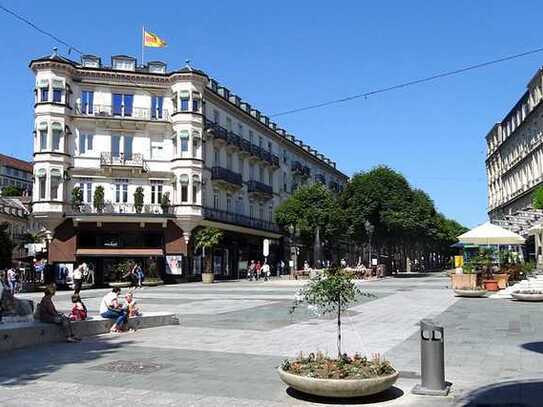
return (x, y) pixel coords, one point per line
(488, 233)
(116, 252)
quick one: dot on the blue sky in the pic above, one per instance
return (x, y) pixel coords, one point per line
(284, 54)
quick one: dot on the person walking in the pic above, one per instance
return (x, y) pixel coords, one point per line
(12, 280)
(258, 269)
(266, 270)
(251, 272)
(77, 277)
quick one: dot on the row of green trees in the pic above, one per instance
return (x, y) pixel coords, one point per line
(378, 205)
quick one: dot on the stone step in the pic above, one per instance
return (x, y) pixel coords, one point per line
(18, 335)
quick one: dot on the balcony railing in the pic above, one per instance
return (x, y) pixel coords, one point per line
(120, 209)
(137, 113)
(226, 175)
(301, 169)
(134, 160)
(259, 188)
(241, 220)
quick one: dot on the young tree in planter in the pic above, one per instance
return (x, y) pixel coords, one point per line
(207, 239)
(332, 291)
(99, 198)
(77, 198)
(165, 202)
(138, 199)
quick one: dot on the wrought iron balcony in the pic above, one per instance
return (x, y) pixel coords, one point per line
(120, 209)
(108, 111)
(122, 160)
(256, 187)
(226, 175)
(320, 178)
(240, 220)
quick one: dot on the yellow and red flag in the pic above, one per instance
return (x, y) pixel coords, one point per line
(153, 40)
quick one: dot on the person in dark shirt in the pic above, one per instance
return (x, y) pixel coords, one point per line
(47, 313)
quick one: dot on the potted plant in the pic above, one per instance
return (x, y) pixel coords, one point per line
(120, 273)
(165, 203)
(77, 199)
(485, 262)
(98, 201)
(138, 200)
(207, 239)
(467, 279)
(333, 291)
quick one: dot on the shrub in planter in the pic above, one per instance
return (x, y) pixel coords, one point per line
(207, 239)
(98, 201)
(333, 291)
(165, 203)
(77, 199)
(138, 199)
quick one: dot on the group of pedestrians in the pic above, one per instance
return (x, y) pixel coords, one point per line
(256, 271)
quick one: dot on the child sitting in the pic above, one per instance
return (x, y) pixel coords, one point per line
(79, 311)
(131, 306)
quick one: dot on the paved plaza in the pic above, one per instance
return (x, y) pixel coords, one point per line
(233, 335)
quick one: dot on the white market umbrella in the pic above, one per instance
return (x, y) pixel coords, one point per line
(487, 234)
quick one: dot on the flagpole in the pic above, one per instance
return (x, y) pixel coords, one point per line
(142, 44)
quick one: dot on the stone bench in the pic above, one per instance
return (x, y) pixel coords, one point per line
(18, 335)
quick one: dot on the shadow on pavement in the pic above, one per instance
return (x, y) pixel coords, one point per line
(510, 393)
(26, 365)
(390, 394)
(533, 346)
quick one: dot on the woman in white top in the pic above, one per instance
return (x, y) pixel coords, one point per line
(111, 309)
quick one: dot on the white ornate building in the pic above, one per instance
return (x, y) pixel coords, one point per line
(514, 160)
(119, 127)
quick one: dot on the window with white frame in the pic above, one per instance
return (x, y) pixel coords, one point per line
(270, 178)
(240, 165)
(56, 181)
(216, 116)
(156, 192)
(85, 143)
(121, 190)
(58, 90)
(85, 184)
(184, 141)
(196, 101)
(195, 188)
(42, 135)
(41, 174)
(184, 181)
(240, 129)
(216, 157)
(251, 210)
(229, 203)
(270, 213)
(216, 199)
(184, 99)
(239, 205)
(56, 129)
(229, 161)
(260, 211)
(261, 174)
(43, 90)
(229, 124)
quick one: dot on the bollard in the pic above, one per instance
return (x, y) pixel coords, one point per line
(432, 361)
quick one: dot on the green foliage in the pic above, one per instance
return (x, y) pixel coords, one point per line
(138, 199)
(333, 290)
(6, 246)
(98, 200)
(121, 270)
(207, 239)
(11, 190)
(77, 198)
(311, 207)
(537, 198)
(165, 202)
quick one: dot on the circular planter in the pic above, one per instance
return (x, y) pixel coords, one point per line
(340, 388)
(470, 293)
(152, 283)
(120, 284)
(208, 278)
(527, 297)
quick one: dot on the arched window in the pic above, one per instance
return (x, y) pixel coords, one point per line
(183, 141)
(184, 181)
(195, 188)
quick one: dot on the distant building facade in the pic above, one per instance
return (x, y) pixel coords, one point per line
(179, 134)
(15, 172)
(514, 162)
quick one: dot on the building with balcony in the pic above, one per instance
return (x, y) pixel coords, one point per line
(201, 156)
(514, 162)
(16, 173)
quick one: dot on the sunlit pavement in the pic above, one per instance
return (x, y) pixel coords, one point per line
(233, 335)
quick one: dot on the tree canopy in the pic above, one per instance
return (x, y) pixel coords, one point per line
(11, 190)
(537, 198)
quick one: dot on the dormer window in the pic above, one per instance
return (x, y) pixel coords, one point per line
(123, 63)
(156, 67)
(91, 61)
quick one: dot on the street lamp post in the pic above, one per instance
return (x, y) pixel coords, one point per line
(293, 248)
(369, 230)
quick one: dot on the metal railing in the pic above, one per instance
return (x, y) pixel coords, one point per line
(113, 208)
(241, 220)
(137, 113)
(259, 187)
(107, 159)
(224, 174)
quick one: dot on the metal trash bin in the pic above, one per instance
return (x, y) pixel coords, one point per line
(432, 360)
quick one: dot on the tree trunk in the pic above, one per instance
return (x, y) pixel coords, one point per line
(339, 328)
